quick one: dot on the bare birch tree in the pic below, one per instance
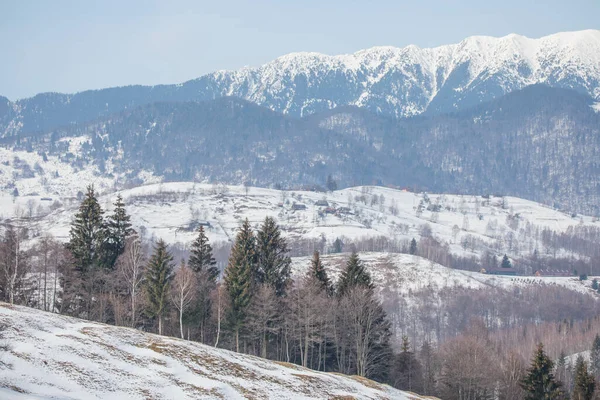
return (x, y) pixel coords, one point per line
(183, 291)
(131, 265)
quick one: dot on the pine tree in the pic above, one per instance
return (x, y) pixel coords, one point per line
(585, 384)
(317, 271)
(561, 366)
(272, 256)
(331, 183)
(406, 371)
(119, 229)
(539, 383)
(595, 356)
(88, 233)
(159, 274)
(203, 264)
(354, 275)
(505, 262)
(413, 247)
(87, 241)
(201, 256)
(338, 246)
(239, 279)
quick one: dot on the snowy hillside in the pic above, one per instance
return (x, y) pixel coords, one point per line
(52, 356)
(370, 217)
(403, 274)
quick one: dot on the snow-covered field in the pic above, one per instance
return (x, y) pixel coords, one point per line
(52, 356)
(172, 211)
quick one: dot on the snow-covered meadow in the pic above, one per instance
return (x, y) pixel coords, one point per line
(470, 225)
(52, 356)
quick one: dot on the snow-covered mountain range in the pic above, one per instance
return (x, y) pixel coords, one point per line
(394, 81)
(411, 80)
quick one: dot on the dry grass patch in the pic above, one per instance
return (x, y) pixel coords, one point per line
(22, 356)
(249, 394)
(367, 382)
(289, 365)
(14, 388)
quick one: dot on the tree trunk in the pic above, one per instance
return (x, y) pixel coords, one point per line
(181, 318)
(160, 324)
(133, 306)
(264, 344)
(305, 361)
(45, 279)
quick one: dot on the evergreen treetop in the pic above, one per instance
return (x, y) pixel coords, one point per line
(585, 384)
(354, 275)
(88, 234)
(317, 271)
(159, 274)
(505, 262)
(539, 383)
(201, 256)
(413, 247)
(119, 229)
(240, 277)
(272, 257)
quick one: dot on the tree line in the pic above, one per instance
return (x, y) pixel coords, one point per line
(105, 273)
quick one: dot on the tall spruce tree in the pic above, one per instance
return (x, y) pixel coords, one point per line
(119, 229)
(413, 247)
(88, 234)
(240, 278)
(354, 275)
(585, 384)
(87, 241)
(406, 373)
(203, 264)
(317, 271)
(201, 256)
(505, 262)
(539, 383)
(159, 274)
(272, 257)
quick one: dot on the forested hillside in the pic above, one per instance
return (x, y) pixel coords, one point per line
(539, 143)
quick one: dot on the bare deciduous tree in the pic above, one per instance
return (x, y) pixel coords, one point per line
(263, 316)
(183, 291)
(12, 262)
(131, 265)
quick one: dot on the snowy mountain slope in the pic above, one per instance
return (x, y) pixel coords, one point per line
(404, 274)
(538, 143)
(470, 225)
(395, 81)
(409, 81)
(52, 356)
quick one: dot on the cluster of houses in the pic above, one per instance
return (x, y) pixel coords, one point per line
(538, 273)
(324, 208)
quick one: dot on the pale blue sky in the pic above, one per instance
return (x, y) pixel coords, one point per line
(70, 46)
